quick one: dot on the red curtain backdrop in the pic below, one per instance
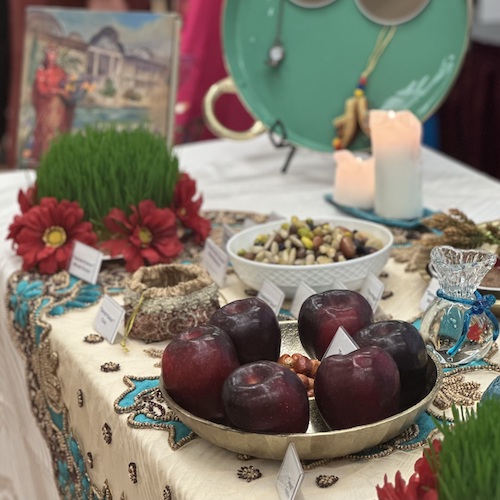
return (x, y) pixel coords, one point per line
(201, 65)
(469, 120)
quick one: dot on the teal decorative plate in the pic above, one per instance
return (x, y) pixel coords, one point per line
(372, 216)
(326, 49)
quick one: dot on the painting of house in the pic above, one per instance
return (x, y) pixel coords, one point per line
(88, 68)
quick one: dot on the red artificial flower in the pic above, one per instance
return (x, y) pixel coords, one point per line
(26, 200)
(187, 208)
(426, 466)
(148, 235)
(45, 233)
(422, 485)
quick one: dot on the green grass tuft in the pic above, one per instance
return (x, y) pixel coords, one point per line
(468, 461)
(106, 168)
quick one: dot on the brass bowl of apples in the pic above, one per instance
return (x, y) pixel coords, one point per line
(232, 383)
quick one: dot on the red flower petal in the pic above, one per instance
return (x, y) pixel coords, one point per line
(116, 221)
(27, 232)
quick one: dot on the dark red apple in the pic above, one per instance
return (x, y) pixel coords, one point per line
(357, 388)
(264, 396)
(404, 343)
(194, 367)
(322, 314)
(253, 328)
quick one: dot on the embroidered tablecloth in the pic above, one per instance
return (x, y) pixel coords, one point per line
(95, 446)
(110, 433)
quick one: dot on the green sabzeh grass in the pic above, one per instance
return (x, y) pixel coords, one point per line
(468, 460)
(105, 168)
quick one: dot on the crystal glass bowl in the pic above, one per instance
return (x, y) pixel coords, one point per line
(318, 276)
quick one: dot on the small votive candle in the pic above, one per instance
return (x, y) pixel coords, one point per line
(354, 184)
(396, 146)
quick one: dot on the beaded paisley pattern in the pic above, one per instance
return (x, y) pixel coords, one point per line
(31, 297)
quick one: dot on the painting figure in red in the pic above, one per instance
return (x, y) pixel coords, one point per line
(54, 111)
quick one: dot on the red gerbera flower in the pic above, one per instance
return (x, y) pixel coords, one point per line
(148, 235)
(26, 200)
(422, 485)
(45, 233)
(187, 208)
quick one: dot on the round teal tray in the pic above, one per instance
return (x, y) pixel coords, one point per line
(326, 50)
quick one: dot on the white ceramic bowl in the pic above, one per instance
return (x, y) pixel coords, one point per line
(318, 276)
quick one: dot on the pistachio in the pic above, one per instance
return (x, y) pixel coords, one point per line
(301, 242)
(307, 242)
(304, 231)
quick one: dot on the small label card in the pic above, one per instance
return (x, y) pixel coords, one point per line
(372, 290)
(109, 318)
(429, 294)
(271, 294)
(276, 216)
(304, 291)
(338, 284)
(215, 261)
(85, 262)
(247, 223)
(227, 233)
(290, 475)
(342, 343)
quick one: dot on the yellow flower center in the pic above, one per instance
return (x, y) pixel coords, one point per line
(182, 211)
(54, 236)
(145, 236)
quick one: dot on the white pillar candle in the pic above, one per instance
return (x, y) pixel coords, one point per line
(396, 146)
(354, 183)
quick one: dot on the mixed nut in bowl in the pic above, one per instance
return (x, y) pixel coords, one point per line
(314, 251)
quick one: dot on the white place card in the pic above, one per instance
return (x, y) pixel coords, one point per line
(272, 294)
(372, 290)
(85, 262)
(247, 223)
(276, 216)
(215, 261)
(429, 294)
(338, 284)
(290, 475)
(227, 233)
(342, 343)
(304, 291)
(109, 319)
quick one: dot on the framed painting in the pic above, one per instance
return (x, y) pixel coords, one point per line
(89, 68)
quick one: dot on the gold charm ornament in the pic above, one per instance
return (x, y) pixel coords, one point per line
(356, 109)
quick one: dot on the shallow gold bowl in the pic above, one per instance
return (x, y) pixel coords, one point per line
(318, 442)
